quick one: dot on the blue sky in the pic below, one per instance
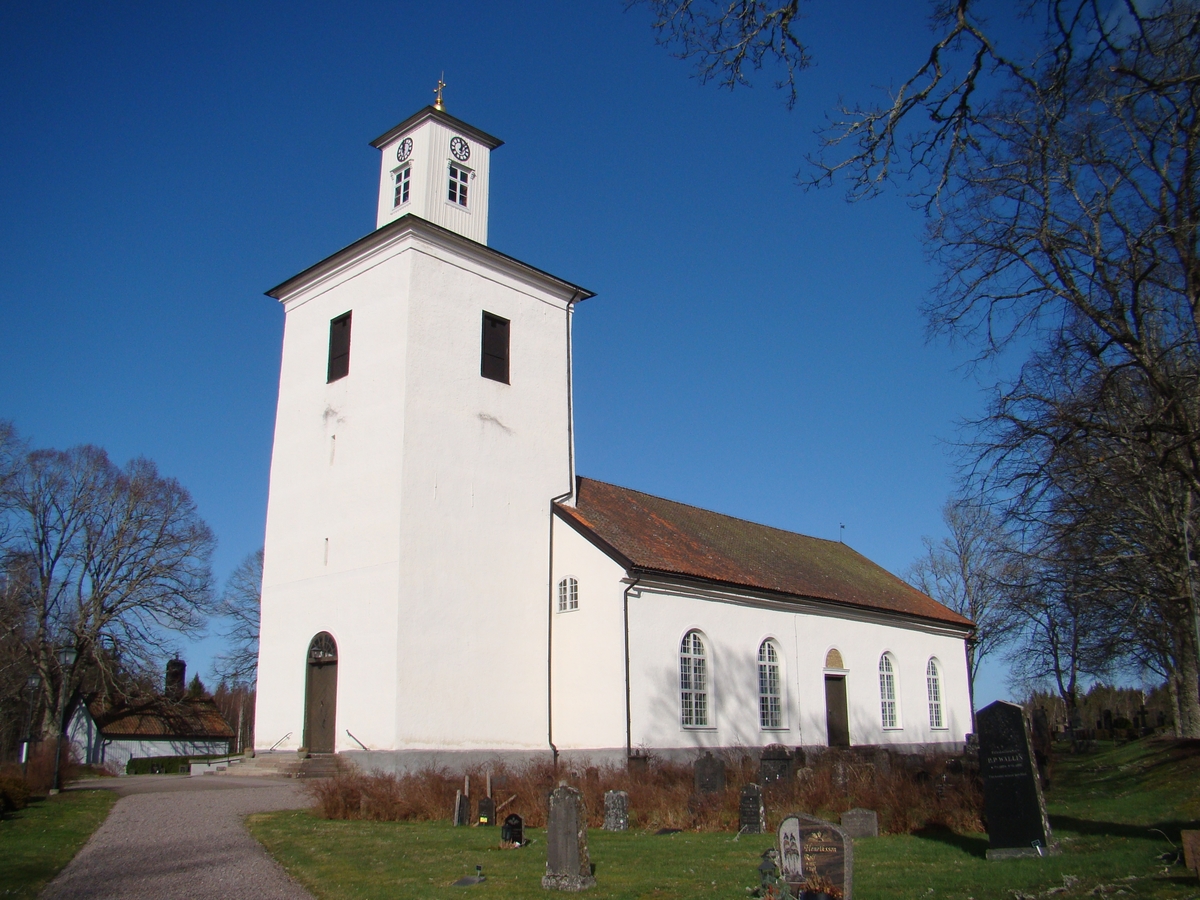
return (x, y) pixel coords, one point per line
(753, 348)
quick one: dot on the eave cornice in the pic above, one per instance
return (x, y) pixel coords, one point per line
(414, 224)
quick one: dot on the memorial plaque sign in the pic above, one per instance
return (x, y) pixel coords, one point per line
(709, 775)
(817, 856)
(752, 816)
(568, 867)
(616, 811)
(1012, 792)
(513, 830)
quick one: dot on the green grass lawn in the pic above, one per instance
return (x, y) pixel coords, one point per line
(1107, 808)
(36, 842)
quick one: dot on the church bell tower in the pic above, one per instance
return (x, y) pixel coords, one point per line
(436, 166)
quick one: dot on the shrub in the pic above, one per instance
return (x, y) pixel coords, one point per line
(14, 792)
(40, 770)
(907, 800)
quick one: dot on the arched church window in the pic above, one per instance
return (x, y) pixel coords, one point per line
(933, 686)
(693, 682)
(568, 595)
(833, 660)
(887, 692)
(770, 697)
(322, 649)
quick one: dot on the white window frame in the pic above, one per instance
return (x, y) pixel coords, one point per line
(933, 690)
(694, 682)
(568, 594)
(889, 703)
(458, 179)
(770, 687)
(404, 171)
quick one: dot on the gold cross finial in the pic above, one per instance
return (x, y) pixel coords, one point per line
(441, 85)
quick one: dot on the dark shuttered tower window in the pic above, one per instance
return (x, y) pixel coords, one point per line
(339, 347)
(494, 364)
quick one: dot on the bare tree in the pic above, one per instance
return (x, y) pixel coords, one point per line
(107, 560)
(726, 37)
(972, 571)
(240, 605)
(1061, 177)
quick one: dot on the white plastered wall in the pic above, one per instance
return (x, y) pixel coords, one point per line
(588, 659)
(331, 558)
(434, 498)
(733, 632)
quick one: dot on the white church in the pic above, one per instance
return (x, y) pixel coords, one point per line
(441, 587)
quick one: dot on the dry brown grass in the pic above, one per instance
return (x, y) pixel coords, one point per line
(663, 796)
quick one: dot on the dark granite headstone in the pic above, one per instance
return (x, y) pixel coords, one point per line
(1012, 793)
(1107, 721)
(462, 808)
(568, 867)
(616, 811)
(709, 775)
(513, 830)
(860, 823)
(775, 764)
(752, 815)
(487, 811)
(816, 855)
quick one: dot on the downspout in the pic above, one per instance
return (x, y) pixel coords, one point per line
(970, 677)
(550, 549)
(630, 585)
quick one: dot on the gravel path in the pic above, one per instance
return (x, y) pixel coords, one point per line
(171, 837)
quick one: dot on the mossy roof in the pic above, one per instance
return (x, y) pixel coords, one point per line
(654, 535)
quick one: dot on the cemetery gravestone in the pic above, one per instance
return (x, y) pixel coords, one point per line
(709, 775)
(638, 763)
(568, 867)
(815, 855)
(775, 764)
(487, 811)
(1191, 849)
(860, 823)
(616, 811)
(513, 830)
(1012, 793)
(462, 808)
(752, 815)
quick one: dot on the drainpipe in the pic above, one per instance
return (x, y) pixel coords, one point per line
(550, 551)
(630, 584)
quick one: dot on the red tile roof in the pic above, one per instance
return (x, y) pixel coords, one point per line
(651, 534)
(160, 718)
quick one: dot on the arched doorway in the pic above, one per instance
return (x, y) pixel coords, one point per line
(320, 694)
(837, 719)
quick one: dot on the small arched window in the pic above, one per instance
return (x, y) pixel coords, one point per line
(887, 692)
(568, 595)
(833, 660)
(933, 685)
(770, 698)
(693, 682)
(322, 649)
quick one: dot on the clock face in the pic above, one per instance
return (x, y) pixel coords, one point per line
(459, 149)
(403, 150)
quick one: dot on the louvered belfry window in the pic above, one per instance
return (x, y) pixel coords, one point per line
(494, 358)
(339, 347)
